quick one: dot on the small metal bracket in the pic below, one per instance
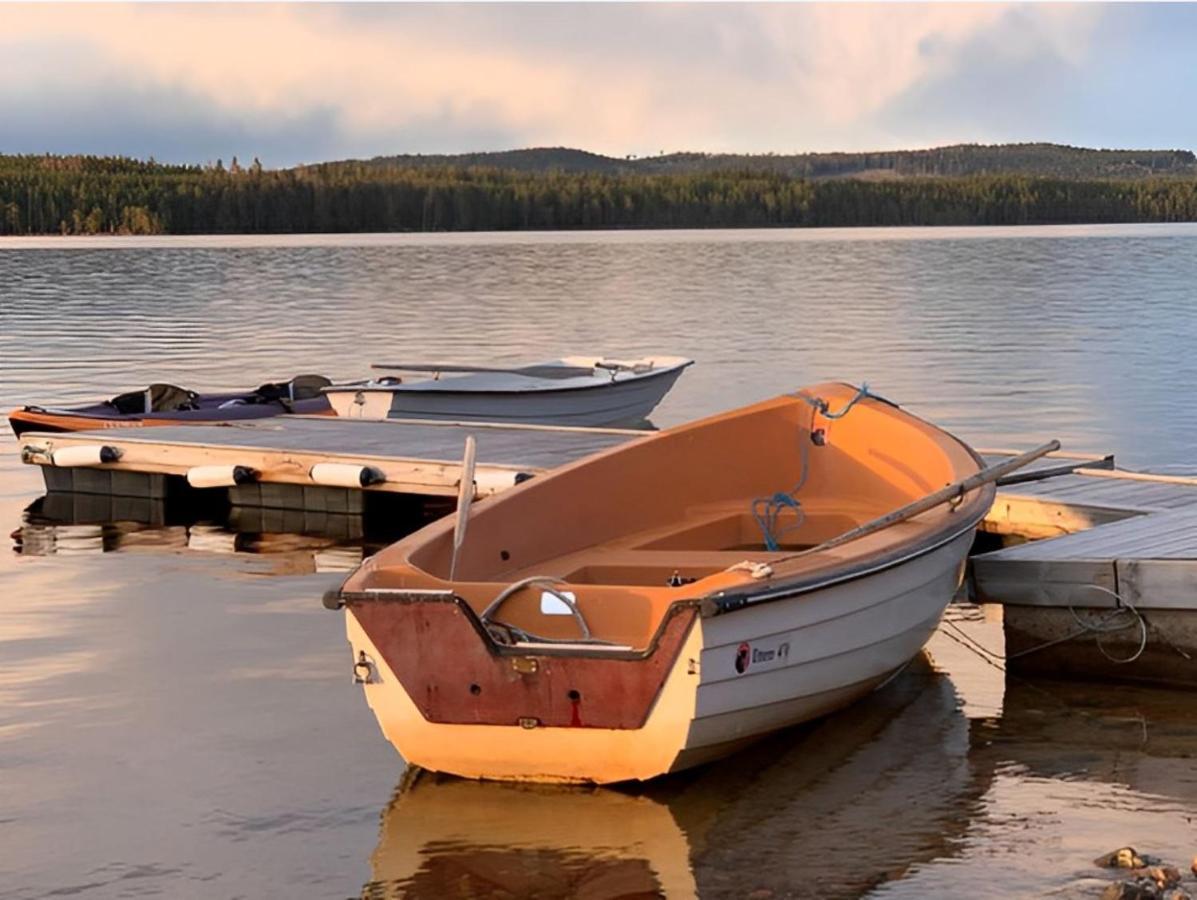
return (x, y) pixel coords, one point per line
(525, 665)
(363, 669)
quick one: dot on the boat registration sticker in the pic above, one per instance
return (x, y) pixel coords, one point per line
(748, 656)
(552, 605)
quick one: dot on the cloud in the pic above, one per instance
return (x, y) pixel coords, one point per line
(295, 82)
(1092, 75)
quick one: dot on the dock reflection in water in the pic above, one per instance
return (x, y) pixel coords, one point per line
(795, 816)
(295, 541)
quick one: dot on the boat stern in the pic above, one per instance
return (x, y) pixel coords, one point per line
(450, 698)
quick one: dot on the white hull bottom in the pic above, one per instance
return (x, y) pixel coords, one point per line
(738, 677)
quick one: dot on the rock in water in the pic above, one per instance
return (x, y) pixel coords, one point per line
(1122, 858)
(1164, 876)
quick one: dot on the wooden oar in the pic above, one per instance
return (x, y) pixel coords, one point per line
(465, 497)
(932, 500)
(525, 371)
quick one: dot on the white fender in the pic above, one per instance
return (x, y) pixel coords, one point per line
(492, 481)
(345, 475)
(220, 476)
(85, 455)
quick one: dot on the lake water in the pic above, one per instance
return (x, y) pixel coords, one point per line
(177, 718)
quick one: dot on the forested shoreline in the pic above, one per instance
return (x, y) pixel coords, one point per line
(93, 195)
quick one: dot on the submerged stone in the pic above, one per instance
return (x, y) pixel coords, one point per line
(1122, 858)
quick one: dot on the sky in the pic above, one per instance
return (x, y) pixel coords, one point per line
(306, 82)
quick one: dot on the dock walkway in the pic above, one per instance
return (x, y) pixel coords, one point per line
(420, 458)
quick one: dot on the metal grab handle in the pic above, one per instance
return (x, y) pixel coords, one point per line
(549, 583)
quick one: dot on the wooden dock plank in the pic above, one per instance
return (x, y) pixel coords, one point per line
(1144, 535)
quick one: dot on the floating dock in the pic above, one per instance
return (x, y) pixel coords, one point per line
(314, 463)
(1104, 581)
(1096, 568)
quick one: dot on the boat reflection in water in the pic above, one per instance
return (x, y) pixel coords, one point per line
(829, 810)
(444, 837)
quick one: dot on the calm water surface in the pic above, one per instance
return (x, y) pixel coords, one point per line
(177, 717)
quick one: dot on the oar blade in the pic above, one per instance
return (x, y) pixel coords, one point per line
(465, 499)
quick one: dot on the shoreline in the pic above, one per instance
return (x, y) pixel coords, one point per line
(596, 235)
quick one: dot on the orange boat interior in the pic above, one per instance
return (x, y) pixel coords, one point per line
(641, 527)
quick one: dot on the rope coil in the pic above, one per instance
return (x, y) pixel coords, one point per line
(768, 510)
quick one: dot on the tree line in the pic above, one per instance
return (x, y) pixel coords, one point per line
(92, 195)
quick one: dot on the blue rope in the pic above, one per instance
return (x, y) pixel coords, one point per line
(821, 405)
(767, 510)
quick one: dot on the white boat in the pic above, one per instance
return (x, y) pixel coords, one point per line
(572, 391)
(663, 603)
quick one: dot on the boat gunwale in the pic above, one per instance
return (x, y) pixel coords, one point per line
(728, 601)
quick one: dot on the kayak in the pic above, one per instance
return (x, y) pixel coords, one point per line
(168, 404)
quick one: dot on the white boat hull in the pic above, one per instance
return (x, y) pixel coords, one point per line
(818, 652)
(627, 397)
(808, 655)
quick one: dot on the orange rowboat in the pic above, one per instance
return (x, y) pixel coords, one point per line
(665, 602)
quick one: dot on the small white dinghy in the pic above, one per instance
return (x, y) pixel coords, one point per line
(572, 391)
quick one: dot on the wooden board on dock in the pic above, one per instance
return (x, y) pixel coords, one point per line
(416, 457)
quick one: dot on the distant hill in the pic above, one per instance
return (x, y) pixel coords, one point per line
(1046, 160)
(559, 188)
(538, 159)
